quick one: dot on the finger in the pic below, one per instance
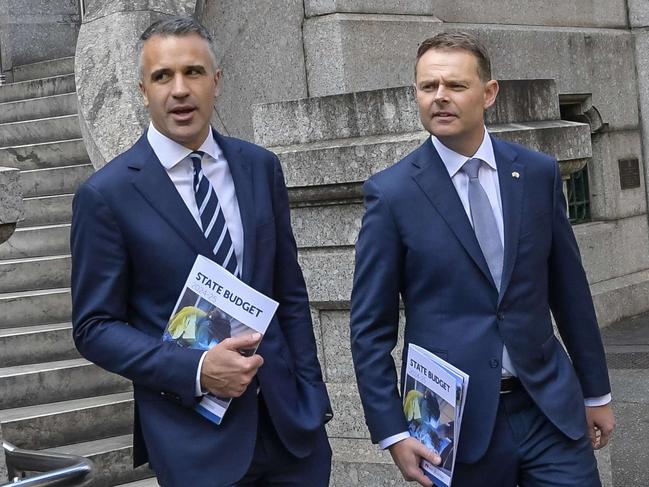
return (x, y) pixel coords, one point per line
(603, 438)
(429, 455)
(595, 435)
(256, 361)
(242, 342)
(421, 478)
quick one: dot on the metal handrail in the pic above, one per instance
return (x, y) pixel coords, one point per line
(59, 469)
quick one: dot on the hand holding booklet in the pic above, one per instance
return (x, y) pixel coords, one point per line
(215, 305)
(433, 402)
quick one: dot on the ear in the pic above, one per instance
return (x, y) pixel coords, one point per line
(217, 82)
(143, 91)
(490, 92)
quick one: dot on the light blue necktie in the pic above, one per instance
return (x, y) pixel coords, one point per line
(484, 221)
(486, 231)
(212, 218)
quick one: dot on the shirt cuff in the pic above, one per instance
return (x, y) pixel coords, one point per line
(391, 440)
(592, 402)
(198, 390)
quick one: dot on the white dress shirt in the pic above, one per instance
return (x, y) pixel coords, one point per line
(488, 177)
(174, 159)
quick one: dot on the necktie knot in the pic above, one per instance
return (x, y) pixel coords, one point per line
(471, 168)
(196, 157)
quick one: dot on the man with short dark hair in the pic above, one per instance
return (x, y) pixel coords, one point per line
(472, 233)
(138, 225)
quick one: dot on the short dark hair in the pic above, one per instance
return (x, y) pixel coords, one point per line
(460, 41)
(176, 26)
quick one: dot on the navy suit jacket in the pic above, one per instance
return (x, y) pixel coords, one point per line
(133, 243)
(416, 242)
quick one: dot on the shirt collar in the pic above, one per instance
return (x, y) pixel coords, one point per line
(170, 152)
(454, 161)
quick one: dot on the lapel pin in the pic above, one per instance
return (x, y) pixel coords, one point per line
(516, 175)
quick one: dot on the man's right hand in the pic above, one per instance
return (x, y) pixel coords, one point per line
(407, 455)
(225, 371)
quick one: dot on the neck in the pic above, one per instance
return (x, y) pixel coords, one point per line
(463, 144)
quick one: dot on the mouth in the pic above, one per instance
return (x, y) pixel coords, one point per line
(182, 113)
(444, 116)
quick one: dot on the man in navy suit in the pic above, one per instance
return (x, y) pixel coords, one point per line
(138, 225)
(471, 232)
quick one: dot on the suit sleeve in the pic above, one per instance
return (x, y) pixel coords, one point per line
(375, 316)
(100, 287)
(293, 313)
(572, 304)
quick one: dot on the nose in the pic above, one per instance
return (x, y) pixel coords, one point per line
(441, 93)
(179, 89)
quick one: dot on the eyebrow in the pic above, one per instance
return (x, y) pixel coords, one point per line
(197, 67)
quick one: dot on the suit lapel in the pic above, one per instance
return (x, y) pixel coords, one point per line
(152, 181)
(511, 195)
(242, 177)
(433, 179)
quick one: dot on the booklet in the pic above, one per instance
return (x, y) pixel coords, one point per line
(215, 305)
(433, 402)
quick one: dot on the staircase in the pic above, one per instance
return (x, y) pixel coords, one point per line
(50, 397)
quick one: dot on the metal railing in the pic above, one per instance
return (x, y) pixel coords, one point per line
(58, 469)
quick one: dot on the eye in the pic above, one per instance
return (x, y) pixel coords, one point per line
(160, 76)
(195, 71)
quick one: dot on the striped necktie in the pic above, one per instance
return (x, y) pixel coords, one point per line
(213, 222)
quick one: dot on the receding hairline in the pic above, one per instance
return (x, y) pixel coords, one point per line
(174, 27)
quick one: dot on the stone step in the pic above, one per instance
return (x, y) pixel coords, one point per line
(312, 165)
(62, 423)
(35, 307)
(47, 210)
(357, 462)
(37, 88)
(113, 459)
(37, 242)
(37, 108)
(28, 385)
(54, 181)
(150, 482)
(34, 273)
(43, 69)
(41, 130)
(38, 343)
(44, 155)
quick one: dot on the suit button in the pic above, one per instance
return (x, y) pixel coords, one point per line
(494, 362)
(500, 316)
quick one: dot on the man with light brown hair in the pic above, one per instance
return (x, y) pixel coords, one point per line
(471, 233)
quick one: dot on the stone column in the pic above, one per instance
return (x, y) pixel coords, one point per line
(111, 112)
(3, 462)
(11, 201)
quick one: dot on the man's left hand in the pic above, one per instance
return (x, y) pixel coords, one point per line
(600, 424)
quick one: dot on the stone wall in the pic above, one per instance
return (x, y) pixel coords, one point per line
(37, 30)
